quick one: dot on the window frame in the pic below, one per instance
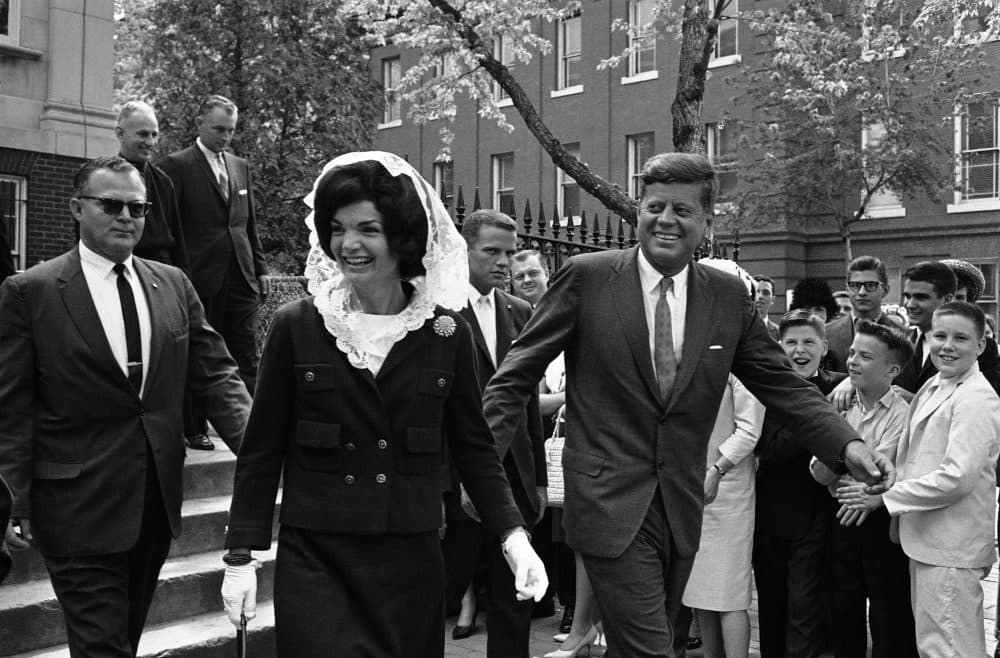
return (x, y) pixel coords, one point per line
(18, 246)
(439, 181)
(634, 38)
(563, 181)
(13, 36)
(563, 57)
(894, 207)
(633, 166)
(960, 202)
(500, 176)
(719, 58)
(502, 55)
(392, 112)
(721, 161)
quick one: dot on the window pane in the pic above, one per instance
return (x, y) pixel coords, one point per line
(444, 180)
(571, 200)
(727, 39)
(506, 202)
(980, 126)
(571, 35)
(989, 271)
(5, 17)
(571, 72)
(980, 175)
(646, 58)
(727, 183)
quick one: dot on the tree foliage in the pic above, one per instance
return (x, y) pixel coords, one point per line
(295, 69)
(894, 69)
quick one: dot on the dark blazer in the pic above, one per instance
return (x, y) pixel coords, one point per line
(73, 427)
(216, 230)
(5, 503)
(527, 450)
(362, 455)
(839, 336)
(915, 374)
(622, 442)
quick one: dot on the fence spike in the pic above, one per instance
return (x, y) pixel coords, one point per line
(621, 233)
(541, 219)
(595, 233)
(583, 227)
(556, 224)
(631, 235)
(527, 216)
(460, 208)
(476, 204)
(569, 227)
(608, 235)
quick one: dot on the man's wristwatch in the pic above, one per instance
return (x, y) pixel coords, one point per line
(237, 559)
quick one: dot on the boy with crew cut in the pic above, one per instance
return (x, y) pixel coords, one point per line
(864, 562)
(944, 498)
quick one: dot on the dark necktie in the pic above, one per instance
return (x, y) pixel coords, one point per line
(133, 341)
(223, 177)
(663, 342)
(918, 351)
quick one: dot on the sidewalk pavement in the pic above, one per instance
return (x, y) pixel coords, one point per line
(542, 631)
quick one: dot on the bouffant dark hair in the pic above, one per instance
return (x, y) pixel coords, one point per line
(812, 292)
(394, 197)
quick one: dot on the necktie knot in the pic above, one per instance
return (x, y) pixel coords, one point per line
(119, 269)
(666, 285)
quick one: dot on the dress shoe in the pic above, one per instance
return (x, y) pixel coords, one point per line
(567, 619)
(462, 632)
(199, 442)
(572, 652)
(542, 609)
(693, 643)
(561, 637)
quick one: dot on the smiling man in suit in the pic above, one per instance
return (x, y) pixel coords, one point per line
(215, 193)
(96, 347)
(649, 339)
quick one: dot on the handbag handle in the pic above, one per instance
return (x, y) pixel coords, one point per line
(558, 422)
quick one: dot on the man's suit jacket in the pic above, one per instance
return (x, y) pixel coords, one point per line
(216, 230)
(622, 442)
(74, 433)
(916, 374)
(5, 503)
(527, 450)
(839, 336)
(946, 482)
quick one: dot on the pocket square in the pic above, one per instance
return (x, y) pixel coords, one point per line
(715, 347)
(243, 192)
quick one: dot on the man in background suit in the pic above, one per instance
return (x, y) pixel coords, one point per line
(649, 339)
(96, 347)
(215, 193)
(764, 300)
(863, 272)
(496, 319)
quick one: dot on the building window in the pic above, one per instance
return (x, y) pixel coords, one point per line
(642, 37)
(503, 55)
(641, 147)
(503, 182)
(570, 57)
(988, 298)
(10, 22)
(980, 154)
(444, 66)
(444, 181)
(13, 215)
(722, 151)
(884, 202)
(726, 41)
(390, 79)
(567, 189)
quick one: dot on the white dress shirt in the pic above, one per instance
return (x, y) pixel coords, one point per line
(650, 279)
(216, 161)
(103, 285)
(484, 306)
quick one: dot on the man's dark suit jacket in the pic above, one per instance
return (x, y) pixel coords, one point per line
(622, 442)
(527, 450)
(74, 433)
(915, 374)
(332, 429)
(163, 235)
(214, 229)
(5, 503)
(839, 336)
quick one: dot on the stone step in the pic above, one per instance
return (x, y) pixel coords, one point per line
(205, 636)
(209, 472)
(31, 619)
(203, 528)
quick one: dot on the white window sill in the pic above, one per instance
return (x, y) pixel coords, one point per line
(719, 62)
(641, 77)
(390, 124)
(566, 91)
(885, 212)
(505, 102)
(975, 205)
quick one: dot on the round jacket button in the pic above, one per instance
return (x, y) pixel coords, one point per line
(348, 479)
(309, 376)
(381, 478)
(442, 382)
(382, 444)
(350, 447)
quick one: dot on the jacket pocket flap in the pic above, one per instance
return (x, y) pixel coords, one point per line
(435, 382)
(315, 377)
(55, 470)
(581, 462)
(310, 434)
(423, 439)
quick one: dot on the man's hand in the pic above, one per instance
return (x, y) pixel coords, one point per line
(857, 497)
(543, 502)
(712, 479)
(239, 591)
(264, 283)
(841, 395)
(530, 579)
(869, 466)
(19, 540)
(849, 517)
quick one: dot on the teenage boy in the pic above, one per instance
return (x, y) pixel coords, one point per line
(793, 513)
(944, 497)
(864, 562)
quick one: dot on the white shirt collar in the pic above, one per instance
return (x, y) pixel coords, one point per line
(210, 155)
(650, 277)
(475, 295)
(99, 263)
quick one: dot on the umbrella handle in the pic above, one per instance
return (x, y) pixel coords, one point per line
(241, 637)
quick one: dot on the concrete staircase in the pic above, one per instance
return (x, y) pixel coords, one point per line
(186, 618)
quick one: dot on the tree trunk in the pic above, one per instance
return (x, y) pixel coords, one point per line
(698, 34)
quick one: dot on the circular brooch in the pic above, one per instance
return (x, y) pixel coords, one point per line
(445, 326)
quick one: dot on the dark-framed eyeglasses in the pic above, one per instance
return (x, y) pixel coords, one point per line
(869, 286)
(136, 209)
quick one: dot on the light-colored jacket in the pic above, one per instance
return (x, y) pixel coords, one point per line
(945, 491)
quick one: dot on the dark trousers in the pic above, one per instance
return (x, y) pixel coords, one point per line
(789, 578)
(639, 592)
(557, 557)
(105, 598)
(233, 313)
(866, 565)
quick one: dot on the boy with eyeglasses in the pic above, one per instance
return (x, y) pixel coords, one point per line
(867, 285)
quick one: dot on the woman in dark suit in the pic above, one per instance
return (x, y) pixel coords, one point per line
(358, 387)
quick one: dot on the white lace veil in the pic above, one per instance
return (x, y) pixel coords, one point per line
(446, 263)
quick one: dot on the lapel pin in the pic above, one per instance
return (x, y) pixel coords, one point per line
(444, 326)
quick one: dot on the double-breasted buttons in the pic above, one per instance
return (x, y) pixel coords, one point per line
(349, 479)
(442, 382)
(350, 447)
(381, 478)
(382, 444)
(309, 376)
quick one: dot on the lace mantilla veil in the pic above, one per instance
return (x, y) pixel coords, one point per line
(445, 283)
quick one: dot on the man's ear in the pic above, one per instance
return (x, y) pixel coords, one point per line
(894, 369)
(75, 208)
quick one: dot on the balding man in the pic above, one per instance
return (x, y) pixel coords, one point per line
(163, 238)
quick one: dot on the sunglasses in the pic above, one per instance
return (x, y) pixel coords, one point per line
(869, 286)
(136, 209)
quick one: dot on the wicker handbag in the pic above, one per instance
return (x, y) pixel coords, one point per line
(553, 462)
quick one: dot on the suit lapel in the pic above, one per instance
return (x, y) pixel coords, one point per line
(477, 333)
(700, 299)
(505, 325)
(398, 353)
(160, 313)
(926, 409)
(626, 295)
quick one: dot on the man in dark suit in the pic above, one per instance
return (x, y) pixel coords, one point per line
(496, 319)
(650, 337)
(764, 300)
(867, 284)
(215, 194)
(96, 347)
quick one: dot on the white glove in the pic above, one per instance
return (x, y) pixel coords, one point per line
(239, 591)
(530, 579)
